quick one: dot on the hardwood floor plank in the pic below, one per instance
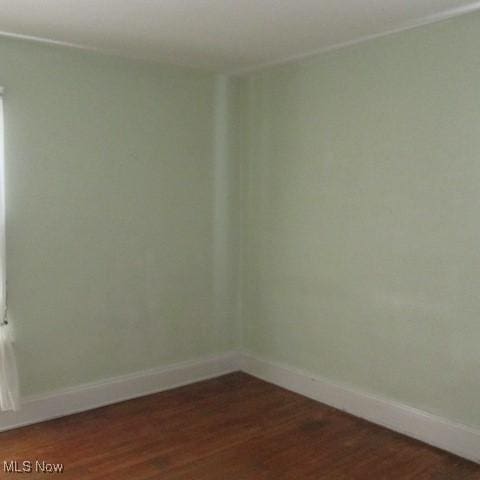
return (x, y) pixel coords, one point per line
(234, 427)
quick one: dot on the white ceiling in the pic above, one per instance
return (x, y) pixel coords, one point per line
(222, 35)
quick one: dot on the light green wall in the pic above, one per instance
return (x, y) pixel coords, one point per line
(323, 214)
(361, 228)
(110, 196)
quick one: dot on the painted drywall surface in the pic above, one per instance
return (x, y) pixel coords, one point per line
(361, 227)
(226, 205)
(110, 198)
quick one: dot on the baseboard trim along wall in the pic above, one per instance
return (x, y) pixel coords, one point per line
(67, 401)
(437, 431)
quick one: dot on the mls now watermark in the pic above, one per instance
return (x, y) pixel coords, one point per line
(32, 466)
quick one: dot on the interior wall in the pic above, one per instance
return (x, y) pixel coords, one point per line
(110, 168)
(321, 214)
(361, 236)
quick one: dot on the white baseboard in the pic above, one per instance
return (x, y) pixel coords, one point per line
(437, 431)
(63, 402)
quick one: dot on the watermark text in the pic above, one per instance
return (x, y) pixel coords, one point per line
(32, 466)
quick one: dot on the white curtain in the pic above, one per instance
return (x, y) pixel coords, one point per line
(9, 398)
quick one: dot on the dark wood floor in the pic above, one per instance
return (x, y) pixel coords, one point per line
(231, 428)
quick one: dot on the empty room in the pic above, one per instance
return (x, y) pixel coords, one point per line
(240, 240)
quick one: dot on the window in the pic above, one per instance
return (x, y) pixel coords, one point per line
(8, 367)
